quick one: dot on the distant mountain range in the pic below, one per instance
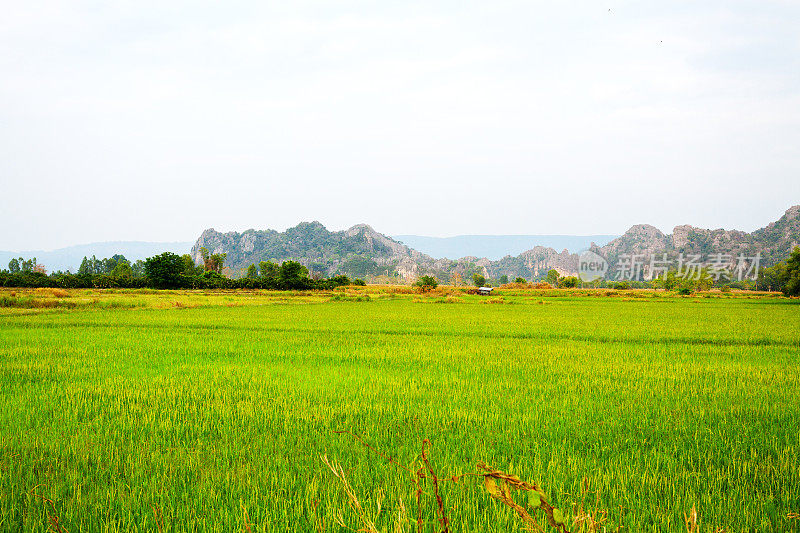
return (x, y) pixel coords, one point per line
(495, 247)
(70, 258)
(363, 252)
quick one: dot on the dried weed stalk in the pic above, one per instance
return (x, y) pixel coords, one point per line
(536, 500)
(52, 516)
(439, 503)
(355, 505)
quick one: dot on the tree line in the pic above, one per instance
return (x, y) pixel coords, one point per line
(172, 271)
(167, 271)
(781, 277)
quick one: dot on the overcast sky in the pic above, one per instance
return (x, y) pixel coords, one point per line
(155, 120)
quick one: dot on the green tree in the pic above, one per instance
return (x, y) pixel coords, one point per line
(122, 269)
(85, 267)
(503, 279)
(27, 265)
(269, 271)
(213, 262)
(91, 266)
(218, 261)
(340, 280)
(189, 268)
(772, 278)
(792, 285)
(108, 265)
(552, 277)
(252, 271)
(293, 275)
(671, 280)
(13, 265)
(164, 271)
(426, 283)
(478, 280)
(137, 269)
(520, 280)
(704, 281)
(569, 282)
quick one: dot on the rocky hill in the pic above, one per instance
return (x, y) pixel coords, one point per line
(495, 247)
(774, 242)
(364, 253)
(359, 251)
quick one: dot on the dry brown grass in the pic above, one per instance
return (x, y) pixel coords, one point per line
(515, 285)
(395, 289)
(44, 292)
(586, 519)
(691, 520)
(499, 300)
(34, 303)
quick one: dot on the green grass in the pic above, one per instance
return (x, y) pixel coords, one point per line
(209, 407)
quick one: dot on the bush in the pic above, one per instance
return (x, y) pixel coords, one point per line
(569, 282)
(426, 283)
(359, 282)
(340, 280)
(685, 291)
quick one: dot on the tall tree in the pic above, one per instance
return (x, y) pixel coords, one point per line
(27, 265)
(122, 269)
(293, 275)
(213, 262)
(189, 268)
(792, 286)
(164, 271)
(137, 269)
(85, 267)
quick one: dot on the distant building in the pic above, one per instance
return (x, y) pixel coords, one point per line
(485, 290)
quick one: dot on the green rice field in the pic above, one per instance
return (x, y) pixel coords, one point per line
(191, 411)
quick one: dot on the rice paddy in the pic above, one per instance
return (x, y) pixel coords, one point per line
(217, 411)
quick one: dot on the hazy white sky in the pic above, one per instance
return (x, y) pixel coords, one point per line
(155, 120)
